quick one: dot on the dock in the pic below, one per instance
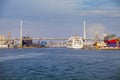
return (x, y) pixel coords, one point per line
(109, 48)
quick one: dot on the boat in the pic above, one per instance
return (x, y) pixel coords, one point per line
(111, 42)
(75, 42)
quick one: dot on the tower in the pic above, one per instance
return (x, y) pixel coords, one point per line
(21, 34)
(84, 35)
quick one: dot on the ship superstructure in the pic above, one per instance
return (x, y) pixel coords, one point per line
(75, 42)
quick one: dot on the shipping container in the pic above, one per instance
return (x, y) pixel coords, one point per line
(112, 44)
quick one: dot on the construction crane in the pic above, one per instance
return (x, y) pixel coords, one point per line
(97, 38)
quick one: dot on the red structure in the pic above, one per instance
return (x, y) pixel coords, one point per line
(112, 41)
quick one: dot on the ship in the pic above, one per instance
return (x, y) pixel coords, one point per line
(111, 43)
(75, 42)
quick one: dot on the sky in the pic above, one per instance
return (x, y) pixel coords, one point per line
(59, 18)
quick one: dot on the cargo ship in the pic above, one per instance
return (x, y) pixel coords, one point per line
(111, 42)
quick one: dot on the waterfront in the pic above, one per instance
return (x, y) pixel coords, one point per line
(59, 64)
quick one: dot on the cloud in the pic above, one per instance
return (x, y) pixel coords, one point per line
(48, 17)
(38, 9)
(109, 13)
(95, 28)
(51, 8)
(58, 7)
(98, 8)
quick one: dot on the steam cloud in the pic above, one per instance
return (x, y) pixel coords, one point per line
(95, 29)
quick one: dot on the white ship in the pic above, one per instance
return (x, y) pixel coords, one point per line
(75, 42)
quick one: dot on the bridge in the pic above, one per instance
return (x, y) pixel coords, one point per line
(42, 39)
(34, 39)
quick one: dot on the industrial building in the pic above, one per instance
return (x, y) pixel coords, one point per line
(3, 42)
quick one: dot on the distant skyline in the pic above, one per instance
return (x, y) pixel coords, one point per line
(59, 18)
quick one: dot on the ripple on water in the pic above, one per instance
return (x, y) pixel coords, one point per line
(59, 64)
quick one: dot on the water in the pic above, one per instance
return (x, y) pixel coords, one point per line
(59, 64)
